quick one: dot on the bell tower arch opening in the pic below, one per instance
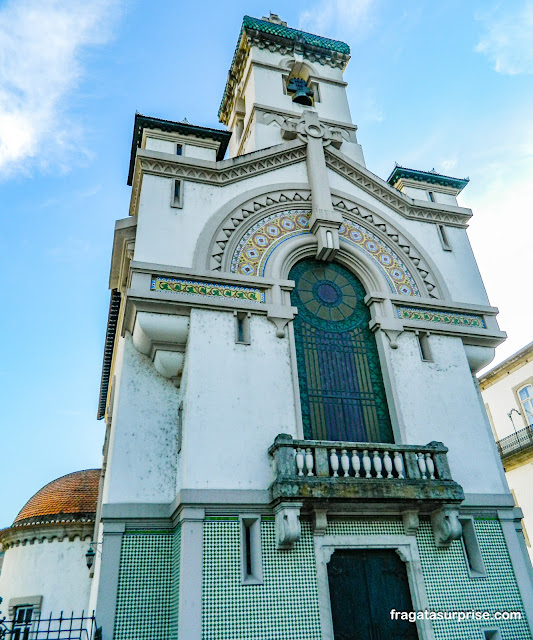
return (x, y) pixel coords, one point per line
(342, 393)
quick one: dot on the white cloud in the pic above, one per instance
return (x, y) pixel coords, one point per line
(41, 45)
(447, 164)
(331, 16)
(508, 38)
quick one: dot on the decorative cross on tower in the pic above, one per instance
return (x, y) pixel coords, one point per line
(325, 221)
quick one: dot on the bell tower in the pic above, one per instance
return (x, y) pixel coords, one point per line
(279, 72)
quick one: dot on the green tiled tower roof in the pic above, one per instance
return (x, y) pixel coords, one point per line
(294, 34)
(431, 177)
(280, 33)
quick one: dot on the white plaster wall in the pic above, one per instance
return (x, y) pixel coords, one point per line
(238, 399)
(438, 401)
(166, 235)
(142, 458)
(189, 150)
(423, 194)
(55, 570)
(156, 144)
(202, 153)
(445, 198)
(501, 400)
(520, 482)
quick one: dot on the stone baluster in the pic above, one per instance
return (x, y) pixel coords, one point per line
(387, 463)
(378, 466)
(356, 463)
(430, 466)
(398, 464)
(309, 461)
(345, 463)
(300, 461)
(422, 465)
(367, 464)
(334, 462)
(441, 462)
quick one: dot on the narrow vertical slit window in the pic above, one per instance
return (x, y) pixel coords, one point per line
(423, 345)
(248, 549)
(177, 194)
(180, 426)
(242, 327)
(431, 196)
(251, 561)
(443, 236)
(179, 149)
(473, 557)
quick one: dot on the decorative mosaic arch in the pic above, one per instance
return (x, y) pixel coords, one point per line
(256, 247)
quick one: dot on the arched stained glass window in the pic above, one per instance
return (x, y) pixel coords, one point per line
(341, 386)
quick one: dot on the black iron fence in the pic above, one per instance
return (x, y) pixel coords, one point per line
(49, 628)
(517, 442)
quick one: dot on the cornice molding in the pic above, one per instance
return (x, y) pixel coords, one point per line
(214, 173)
(258, 162)
(379, 189)
(39, 532)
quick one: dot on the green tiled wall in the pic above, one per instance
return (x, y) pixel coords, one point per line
(145, 587)
(284, 607)
(450, 588)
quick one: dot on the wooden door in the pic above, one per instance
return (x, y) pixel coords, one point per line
(364, 586)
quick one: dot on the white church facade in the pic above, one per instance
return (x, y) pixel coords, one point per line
(296, 443)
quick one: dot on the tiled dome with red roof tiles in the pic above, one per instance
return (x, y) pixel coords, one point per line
(71, 497)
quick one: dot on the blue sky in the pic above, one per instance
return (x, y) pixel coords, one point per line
(444, 85)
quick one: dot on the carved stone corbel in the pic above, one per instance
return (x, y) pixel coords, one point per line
(446, 526)
(411, 522)
(288, 528)
(320, 521)
(281, 318)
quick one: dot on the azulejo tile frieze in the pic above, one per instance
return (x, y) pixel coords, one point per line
(256, 246)
(391, 266)
(209, 289)
(442, 317)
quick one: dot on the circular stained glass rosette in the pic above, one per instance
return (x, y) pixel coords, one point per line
(328, 296)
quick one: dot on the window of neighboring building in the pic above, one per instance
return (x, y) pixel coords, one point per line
(22, 622)
(431, 196)
(179, 149)
(526, 400)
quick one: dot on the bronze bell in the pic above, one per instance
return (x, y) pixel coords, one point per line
(302, 93)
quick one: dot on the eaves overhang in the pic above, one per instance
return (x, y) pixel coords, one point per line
(429, 177)
(145, 122)
(114, 309)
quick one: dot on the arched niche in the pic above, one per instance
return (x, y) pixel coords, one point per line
(218, 242)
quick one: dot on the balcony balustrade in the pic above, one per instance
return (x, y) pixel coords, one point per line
(365, 471)
(518, 443)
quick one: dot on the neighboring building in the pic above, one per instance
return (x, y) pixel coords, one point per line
(507, 392)
(44, 573)
(295, 443)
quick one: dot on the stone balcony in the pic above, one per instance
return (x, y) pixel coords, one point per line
(317, 476)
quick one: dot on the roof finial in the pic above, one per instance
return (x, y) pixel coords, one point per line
(275, 19)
